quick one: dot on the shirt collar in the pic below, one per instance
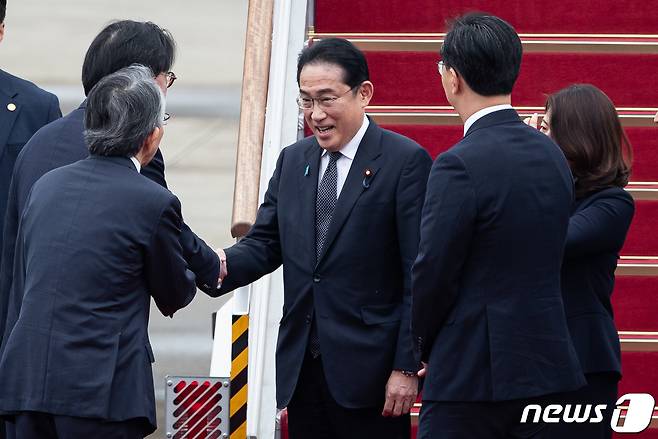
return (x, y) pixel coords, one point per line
(136, 163)
(350, 149)
(483, 112)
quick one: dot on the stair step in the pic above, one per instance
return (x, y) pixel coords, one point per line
(638, 341)
(446, 115)
(638, 266)
(437, 138)
(640, 373)
(642, 239)
(635, 304)
(431, 42)
(432, 16)
(411, 78)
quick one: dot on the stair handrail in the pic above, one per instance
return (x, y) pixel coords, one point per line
(255, 79)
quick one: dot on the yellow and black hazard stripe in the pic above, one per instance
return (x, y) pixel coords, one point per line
(239, 357)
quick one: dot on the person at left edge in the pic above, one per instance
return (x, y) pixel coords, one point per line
(96, 242)
(342, 214)
(60, 143)
(24, 108)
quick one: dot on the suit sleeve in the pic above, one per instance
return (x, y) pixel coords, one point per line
(259, 252)
(201, 259)
(170, 282)
(446, 231)
(54, 111)
(8, 246)
(600, 227)
(409, 204)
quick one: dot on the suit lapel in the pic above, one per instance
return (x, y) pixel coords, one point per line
(365, 158)
(7, 117)
(308, 186)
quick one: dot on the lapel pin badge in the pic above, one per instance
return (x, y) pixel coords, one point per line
(367, 175)
(306, 170)
(11, 106)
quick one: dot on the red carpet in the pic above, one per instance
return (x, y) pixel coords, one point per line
(642, 239)
(640, 374)
(411, 78)
(434, 138)
(635, 304)
(585, 16)
(438, 138)
(645, 152)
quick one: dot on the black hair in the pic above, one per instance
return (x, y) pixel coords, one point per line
(3, 10)
(486, 51)
(340, 52)
(124, 43)
(585, 125)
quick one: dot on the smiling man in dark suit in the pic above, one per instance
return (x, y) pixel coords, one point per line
(24, 108)
(487, 308)
(96, 242)
(341, 214)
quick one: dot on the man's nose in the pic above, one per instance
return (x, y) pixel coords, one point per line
(317, 113)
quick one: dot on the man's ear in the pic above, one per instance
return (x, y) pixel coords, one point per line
(455, 81)
(2, 31)
(152, 142)
(365, 93)
(150, 146)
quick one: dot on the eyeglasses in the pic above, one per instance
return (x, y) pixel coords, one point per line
(324, 102)
(171, 77)
(440, 66)
(165, 118)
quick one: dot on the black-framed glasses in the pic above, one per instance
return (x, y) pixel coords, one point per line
(171, 77)
(166, 118)
(324, 102)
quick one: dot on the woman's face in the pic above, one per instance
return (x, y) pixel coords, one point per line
(545, 126)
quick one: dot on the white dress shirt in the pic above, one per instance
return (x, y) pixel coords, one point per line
(483, 112)
(137, 164)
(345, 161)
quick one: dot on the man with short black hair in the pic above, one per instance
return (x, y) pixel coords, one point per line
(96, 242)
(341, 214)
(119, 45)
(24, 108)
(488, 317)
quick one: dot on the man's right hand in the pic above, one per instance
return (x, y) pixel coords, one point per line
(223, 270)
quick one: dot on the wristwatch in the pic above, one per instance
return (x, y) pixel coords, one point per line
(407, 373)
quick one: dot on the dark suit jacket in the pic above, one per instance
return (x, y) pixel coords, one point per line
(359, 290)
(34, 108)
(61, 143)
(487, 307)
(597, 230)
(96, 241)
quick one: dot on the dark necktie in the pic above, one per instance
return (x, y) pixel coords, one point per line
(324, 210)
(326, 202)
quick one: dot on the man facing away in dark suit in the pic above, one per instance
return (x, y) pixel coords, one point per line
(487, 309)
(24, 108)
(96, 241)
(60, 143)
(341, 214)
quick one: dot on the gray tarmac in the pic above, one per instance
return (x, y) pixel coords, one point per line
(45, 42)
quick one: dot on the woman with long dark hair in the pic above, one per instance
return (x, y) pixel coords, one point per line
(584, 123)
